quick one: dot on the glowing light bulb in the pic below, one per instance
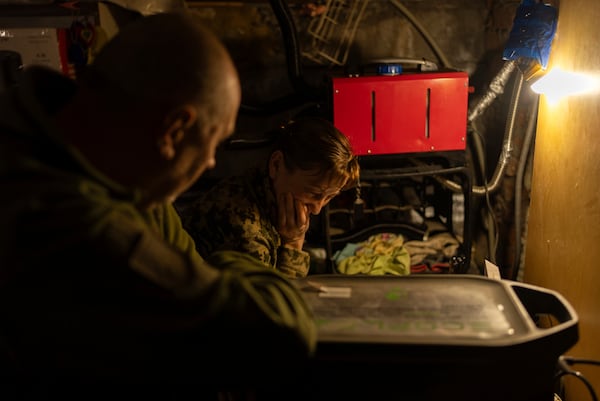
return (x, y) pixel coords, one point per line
(558, 84)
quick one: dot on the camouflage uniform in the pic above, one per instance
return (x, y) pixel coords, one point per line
(238, 213)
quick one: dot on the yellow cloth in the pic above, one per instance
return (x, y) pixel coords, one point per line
(380, 254)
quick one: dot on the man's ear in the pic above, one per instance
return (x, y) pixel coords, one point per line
(176, 124)
(275, 163)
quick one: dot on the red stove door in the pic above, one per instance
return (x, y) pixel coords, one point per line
(407, 113)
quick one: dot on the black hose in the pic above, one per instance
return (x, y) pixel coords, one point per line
(292, 48)
(303, 95)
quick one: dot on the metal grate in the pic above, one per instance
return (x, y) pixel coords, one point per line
(333, 32)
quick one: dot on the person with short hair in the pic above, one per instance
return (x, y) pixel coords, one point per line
(102, 293)
(266, 212)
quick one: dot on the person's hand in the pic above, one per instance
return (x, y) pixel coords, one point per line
(292, 220)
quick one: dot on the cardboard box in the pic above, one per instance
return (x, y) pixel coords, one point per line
(37, 46)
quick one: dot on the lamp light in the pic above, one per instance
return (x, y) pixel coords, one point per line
(557, 84)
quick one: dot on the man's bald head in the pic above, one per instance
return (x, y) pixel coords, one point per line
(164, 89)
(181, 62)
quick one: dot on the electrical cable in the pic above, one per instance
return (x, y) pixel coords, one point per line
(292, 48)
(525, 151)
(574, 360)
(490, 223)
(496, 87)
(503, 161)
(477, 142)
(564, 363)
(436, 49)
(304, 94)
(508, 135)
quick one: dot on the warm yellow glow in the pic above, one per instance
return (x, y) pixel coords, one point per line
(558, 84)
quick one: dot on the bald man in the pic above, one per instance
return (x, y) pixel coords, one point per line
(100, 287)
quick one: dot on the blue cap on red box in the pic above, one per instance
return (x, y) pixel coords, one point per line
(389, 69)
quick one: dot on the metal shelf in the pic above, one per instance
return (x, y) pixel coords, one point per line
(453, 167)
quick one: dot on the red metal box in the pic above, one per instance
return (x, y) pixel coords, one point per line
(406, 113)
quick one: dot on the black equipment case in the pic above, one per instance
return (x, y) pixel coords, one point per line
(435, 337)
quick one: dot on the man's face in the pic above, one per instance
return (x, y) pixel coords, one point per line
(198, 154)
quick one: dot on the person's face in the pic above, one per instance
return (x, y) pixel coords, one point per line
(189, 151)
(197, 155)
(196, 152)
(310, 188)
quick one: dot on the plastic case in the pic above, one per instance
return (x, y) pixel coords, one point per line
(405, 113)
(432, 337)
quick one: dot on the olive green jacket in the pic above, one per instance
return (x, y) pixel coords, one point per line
(91, 286)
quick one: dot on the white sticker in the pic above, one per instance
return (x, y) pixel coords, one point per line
(335, 292)
(492, 271)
